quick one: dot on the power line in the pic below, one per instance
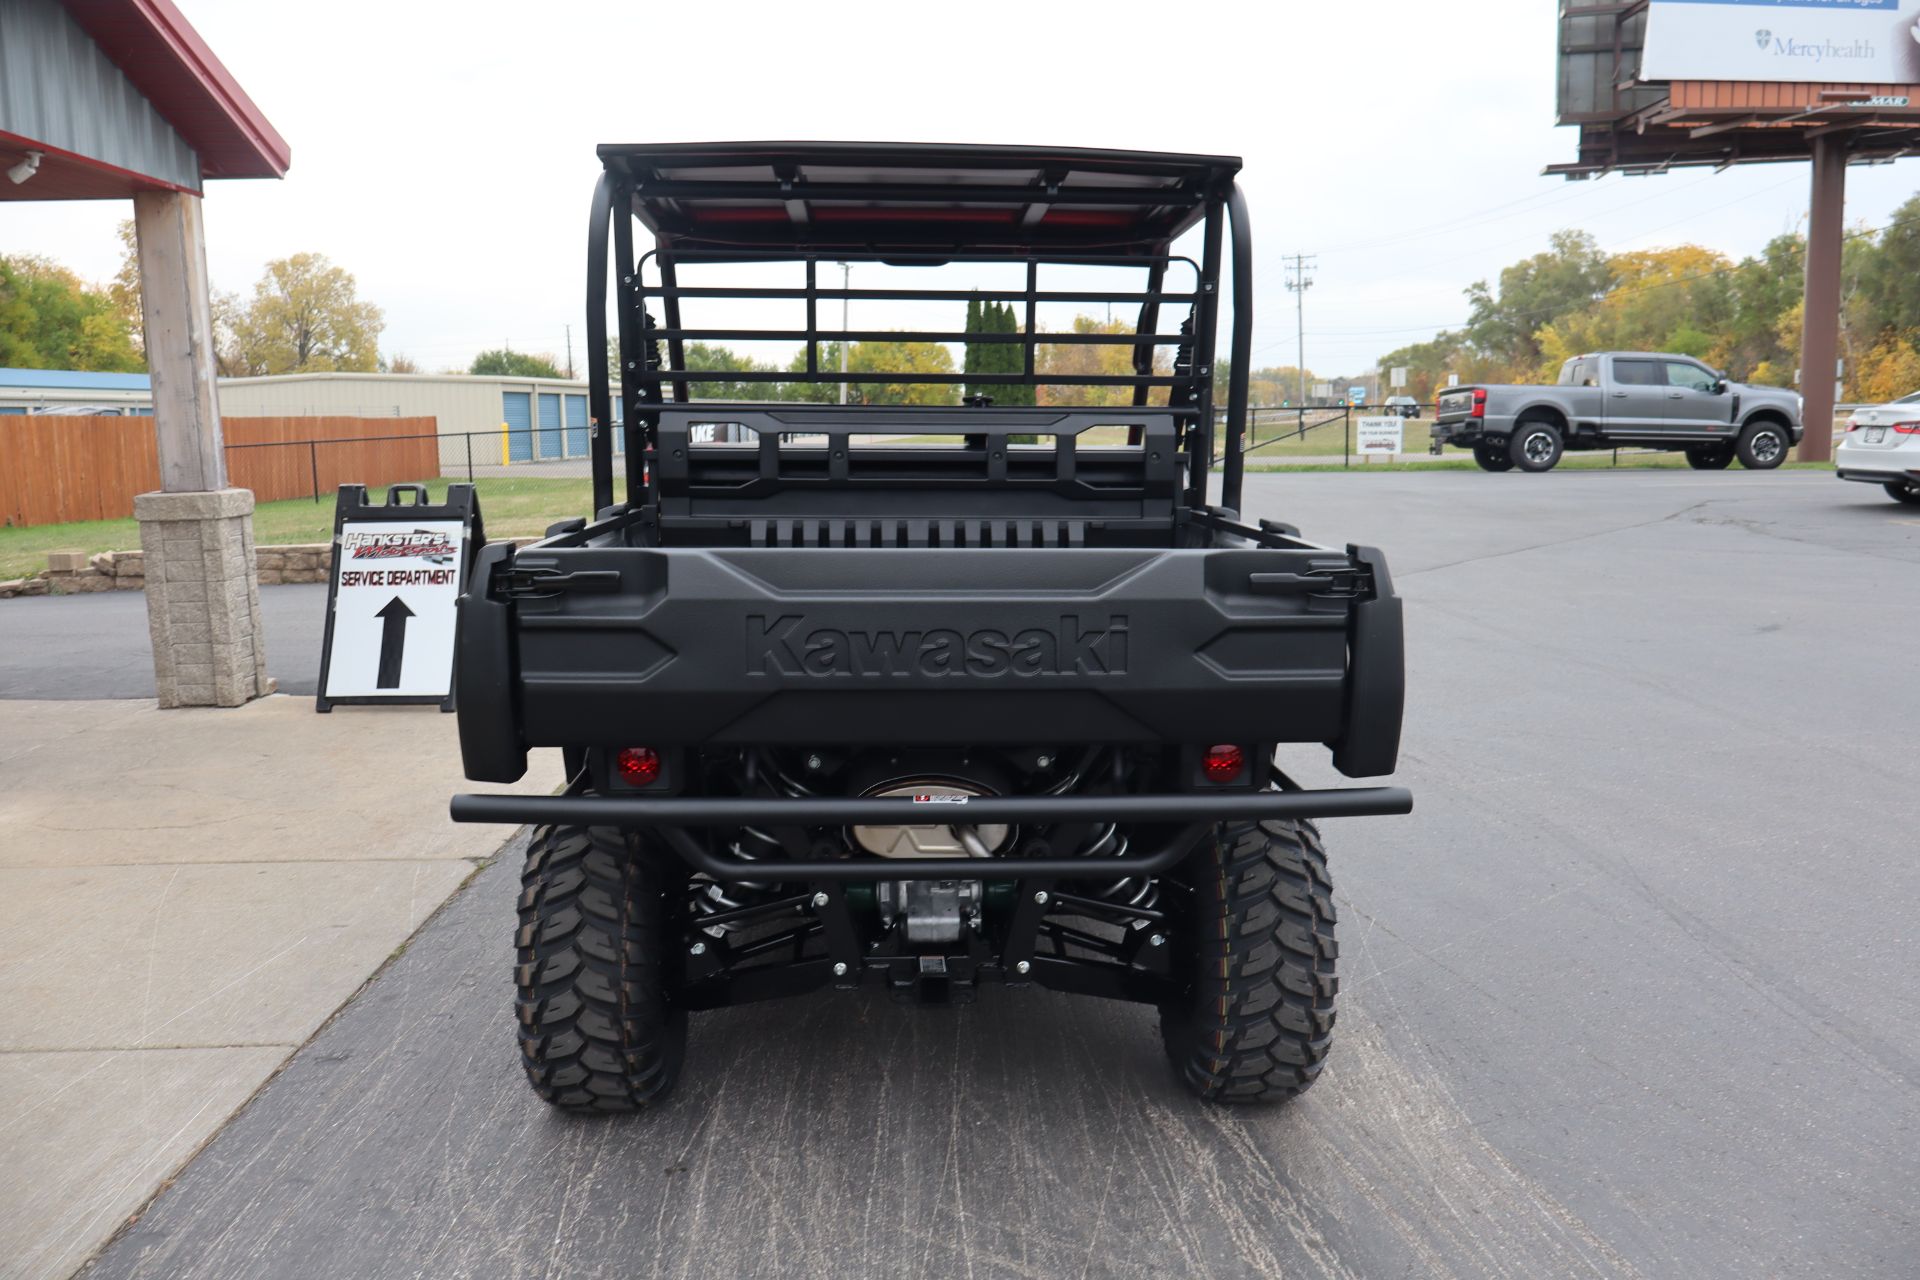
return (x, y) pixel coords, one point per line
(1546, 314)
(1298, 282)
(1423, 233)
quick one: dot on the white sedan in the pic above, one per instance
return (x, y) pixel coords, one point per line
(1882, 446)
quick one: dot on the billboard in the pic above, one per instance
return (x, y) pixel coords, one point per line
(1836, 41)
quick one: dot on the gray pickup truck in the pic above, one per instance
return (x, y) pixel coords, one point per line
(1621, 399)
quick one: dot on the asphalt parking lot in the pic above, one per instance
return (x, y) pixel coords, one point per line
(1634, 992)
(96, 646)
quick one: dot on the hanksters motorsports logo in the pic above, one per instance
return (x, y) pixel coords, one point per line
(421, 544)
(787, 646)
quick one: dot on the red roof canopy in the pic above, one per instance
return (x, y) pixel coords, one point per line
(170, 65)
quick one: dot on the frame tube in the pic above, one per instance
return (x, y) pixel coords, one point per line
(599, 401)
(728, 811)
(1241, 350)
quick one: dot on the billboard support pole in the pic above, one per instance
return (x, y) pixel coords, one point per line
(1820, 330)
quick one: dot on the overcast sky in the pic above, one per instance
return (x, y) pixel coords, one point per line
(444, 153)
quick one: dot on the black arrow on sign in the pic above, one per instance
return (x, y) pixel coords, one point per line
(393, 642)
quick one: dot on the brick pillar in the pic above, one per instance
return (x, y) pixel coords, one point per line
(203, 595)
(203, 603)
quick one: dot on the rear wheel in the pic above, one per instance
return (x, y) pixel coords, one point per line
(597, 1029)
(1709, 457)
(1492, 457)
(1535, 446)
(1901, 492)
(1255, 1021)
(1763, 446)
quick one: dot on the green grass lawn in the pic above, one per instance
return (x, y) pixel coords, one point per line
(510, 508)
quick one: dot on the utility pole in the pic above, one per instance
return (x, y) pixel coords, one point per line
(1298, 282)
(846, 276)
(569, 353)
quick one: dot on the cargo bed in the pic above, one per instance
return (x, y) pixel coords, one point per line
(577, 644)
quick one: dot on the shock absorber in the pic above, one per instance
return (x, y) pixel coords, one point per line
(711, 897)
(1131, 891)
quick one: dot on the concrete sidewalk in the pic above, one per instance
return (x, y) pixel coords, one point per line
(185, 897)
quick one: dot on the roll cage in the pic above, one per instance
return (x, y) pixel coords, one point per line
(815, 202)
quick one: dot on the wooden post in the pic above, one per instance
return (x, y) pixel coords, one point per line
(202, 583)
(1820, 326)
(176, 304)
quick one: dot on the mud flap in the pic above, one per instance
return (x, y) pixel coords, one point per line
(491, 746)
(1376, 677)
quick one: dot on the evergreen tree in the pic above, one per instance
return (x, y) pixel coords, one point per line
(975, 324)
(1013, 360)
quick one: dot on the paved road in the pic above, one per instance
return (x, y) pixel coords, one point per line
(95, 646)
(1633, 993)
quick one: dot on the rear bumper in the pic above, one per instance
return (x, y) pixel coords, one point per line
(1877, 464)
(1872, 475)
(670, 816)
(1464, 432)
(767, 646)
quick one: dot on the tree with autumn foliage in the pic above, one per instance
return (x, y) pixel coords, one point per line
(1100, 359)
(52, 319)
(305, 315)
(1740, 316)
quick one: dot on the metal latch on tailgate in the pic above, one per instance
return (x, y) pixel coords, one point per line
(1324, 579)
(524, 583)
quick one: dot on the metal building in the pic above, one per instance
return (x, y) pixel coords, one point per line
(25, 391)
(498, 421)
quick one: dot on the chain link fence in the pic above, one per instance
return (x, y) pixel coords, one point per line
(1277, 437)
(539, 453)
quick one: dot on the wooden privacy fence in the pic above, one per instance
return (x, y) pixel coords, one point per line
(55, 468)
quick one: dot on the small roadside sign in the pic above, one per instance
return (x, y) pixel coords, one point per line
(1379, 435)
(1398, 377)
(398, 570)
(1356, 394)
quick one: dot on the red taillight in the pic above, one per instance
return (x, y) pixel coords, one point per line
(637, 766)
(1223, 763)
(1907, 428)
(1479, 409)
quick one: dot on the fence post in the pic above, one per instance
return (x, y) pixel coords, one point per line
(469, 457)
(313, 467)
(1346, 429)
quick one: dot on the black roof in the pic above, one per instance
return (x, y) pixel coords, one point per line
(880, 196)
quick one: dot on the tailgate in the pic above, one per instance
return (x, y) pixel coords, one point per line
(715, 646)
(1454, 404)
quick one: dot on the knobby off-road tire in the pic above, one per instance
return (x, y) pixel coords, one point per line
(1709, 457)
(1763, 446)
(1492, 457)
(1536, 446)
(597, 1029)
(1901, 492)
(1256, 1021)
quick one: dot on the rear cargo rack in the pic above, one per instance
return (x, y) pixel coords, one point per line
(1037, 208)
(835, 475)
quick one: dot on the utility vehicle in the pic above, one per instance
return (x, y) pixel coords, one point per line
(1615, 399)
(917, 697)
